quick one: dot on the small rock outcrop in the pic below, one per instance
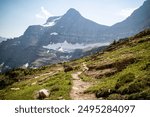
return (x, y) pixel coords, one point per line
(42, 94)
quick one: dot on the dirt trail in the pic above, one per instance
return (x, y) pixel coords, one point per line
(46, 74)
(78, 88)
(51, 73)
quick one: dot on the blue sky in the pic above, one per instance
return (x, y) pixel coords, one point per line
(17, 15)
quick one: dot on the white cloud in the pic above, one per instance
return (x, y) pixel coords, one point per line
(43, 14)
(126, 12)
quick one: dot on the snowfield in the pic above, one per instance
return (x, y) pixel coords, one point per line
(69, 47)
(52, 23)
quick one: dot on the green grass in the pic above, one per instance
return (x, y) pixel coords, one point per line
(130, 83)
(86, 78)
(59, 86)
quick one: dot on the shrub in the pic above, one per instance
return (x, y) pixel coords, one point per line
(147, 80)
(142, 33)
(126, 78)
(114, 42)
(115, 97)
(104, 92)
(2, 84)
(14, 74)
(144, 95)
(134, 87)
(54, 88)
(5, 82)
(67, 68)
(146, 66)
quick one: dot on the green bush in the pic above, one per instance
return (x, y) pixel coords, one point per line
(115, 96)
(67, 68)
(104, 92)
(142, 33)
(145, 66)
(147, 80)
(137, 85)
(54, 88)
(144, 95)
(129, 77)
(2, 84)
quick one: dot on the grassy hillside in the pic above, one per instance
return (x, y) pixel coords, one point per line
(122, 71)
(27, 82)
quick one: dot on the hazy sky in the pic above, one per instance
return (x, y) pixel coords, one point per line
(17, 15)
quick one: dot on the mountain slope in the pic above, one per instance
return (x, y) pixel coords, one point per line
(31, 47)
(138, 21)
(73, 25)
(2, 39)
(70, 27)
(122, 71)
(119, 72)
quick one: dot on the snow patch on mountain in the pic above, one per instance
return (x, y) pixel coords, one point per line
(69, 47)
(54, 33)
(47, 51)
(60, 49)
(2, 64)
(51, 23)
(48, 24)
(26, 65)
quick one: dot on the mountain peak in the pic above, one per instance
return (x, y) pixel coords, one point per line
(72, 11)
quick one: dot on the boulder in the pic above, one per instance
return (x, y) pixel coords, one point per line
(42, 94)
